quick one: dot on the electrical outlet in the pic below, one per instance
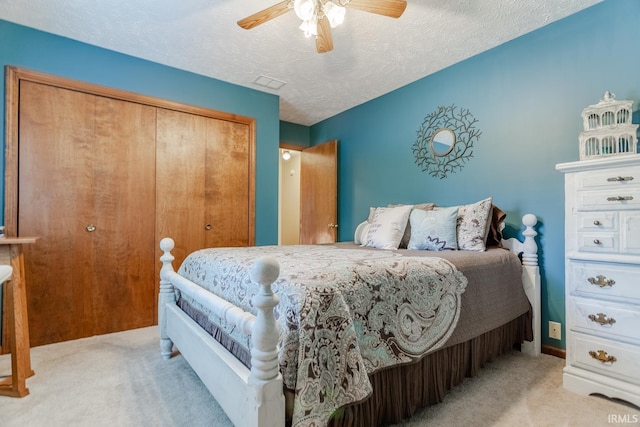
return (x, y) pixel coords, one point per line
(555, 330)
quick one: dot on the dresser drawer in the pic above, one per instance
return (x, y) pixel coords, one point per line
(598, 242)
(605, 280)
(597, 221)
(622, 198)
(610, 358)
(608, 320)
(618, 178)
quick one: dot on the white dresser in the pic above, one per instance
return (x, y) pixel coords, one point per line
(602, 270)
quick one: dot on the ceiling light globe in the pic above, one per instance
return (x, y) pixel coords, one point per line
(304, 9)
(310, 27)
(334, 13)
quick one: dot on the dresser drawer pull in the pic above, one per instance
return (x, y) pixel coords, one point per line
(602, 319)
(596, 222)
(602, 356)
(601, 281)
(619, 198)
(620, 178)
(596, 242)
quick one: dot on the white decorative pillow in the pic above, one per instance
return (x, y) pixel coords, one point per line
(433, 230)
(473, 225)
(361, 232)
(387, 227)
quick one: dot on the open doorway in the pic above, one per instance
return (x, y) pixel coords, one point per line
(307, 196)
(289, 197)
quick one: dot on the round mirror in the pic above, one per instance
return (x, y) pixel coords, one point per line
(442, 141)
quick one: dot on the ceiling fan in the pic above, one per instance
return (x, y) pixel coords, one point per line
(319, 16)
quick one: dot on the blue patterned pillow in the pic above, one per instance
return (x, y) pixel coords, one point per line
(433, 230)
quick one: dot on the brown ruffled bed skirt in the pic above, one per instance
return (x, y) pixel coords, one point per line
(401, 391)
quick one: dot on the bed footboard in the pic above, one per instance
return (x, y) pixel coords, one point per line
(249, 397)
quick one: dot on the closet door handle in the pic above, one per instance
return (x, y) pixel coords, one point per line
(207, 227)
(91, 228)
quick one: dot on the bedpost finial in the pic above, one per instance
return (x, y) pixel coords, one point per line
(265, 270)
(167, 244)
(529, 220)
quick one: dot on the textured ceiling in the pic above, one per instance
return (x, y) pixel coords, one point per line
(372, 54)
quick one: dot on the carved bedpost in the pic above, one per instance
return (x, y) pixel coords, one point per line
(530, 278)
(265, 378)
(166, 296)
(529, 246)
(532, 283)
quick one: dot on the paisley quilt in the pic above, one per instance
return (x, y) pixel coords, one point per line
(343, 314)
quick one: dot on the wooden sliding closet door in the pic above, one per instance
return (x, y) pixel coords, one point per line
(87, 189)
(204, 182)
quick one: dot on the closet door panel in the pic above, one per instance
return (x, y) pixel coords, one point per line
(124, 239)
(56, 190)
(180, 170)
(228, 174)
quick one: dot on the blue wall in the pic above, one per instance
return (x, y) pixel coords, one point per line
(527, 96)
(294, 134)
(27, 48)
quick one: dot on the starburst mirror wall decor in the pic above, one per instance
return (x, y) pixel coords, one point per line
(445, 141)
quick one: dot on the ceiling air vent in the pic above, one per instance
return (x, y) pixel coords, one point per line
(269, 82)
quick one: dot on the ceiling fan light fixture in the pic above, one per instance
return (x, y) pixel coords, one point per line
(310, 27)
(334, 13)
(305, 9)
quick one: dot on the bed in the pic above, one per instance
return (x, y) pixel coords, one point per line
(283, 347)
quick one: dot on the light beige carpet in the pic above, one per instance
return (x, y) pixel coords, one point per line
(120, 380)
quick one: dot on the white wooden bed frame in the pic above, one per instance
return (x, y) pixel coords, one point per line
(255, 398)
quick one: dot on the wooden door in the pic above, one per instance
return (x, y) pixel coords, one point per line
(318, 194)
(204, 182)
(86, 189)
(124, 205)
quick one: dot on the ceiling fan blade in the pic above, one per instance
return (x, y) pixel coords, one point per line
(390, 8)
(324, 41)
(264, 15)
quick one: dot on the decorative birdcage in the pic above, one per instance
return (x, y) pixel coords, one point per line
(608, 130)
